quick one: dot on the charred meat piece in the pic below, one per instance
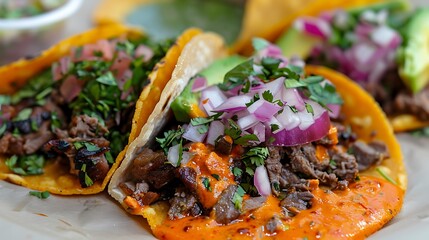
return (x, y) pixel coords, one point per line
(295, 202)
(253, 203)
(150, 166)
(188, 176)
(84, 126)
(368, 155)
(273, 224)
(224, 210)
(223, 145)
(95, 162)
(345, 167)
(274, 168)
(183, 204)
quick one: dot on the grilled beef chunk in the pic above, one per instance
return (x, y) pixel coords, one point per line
(224, 209)
(294, 202)
(223, 145)
(368, 155)
(188, 176)
(35, 141)
(150, 166)
(253, 203)
(84, 126)
(273, 224)
(345, 167)
(12, 145)
(183, 204)
(274, 168)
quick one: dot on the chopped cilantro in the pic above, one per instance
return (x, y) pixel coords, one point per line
(274, 127)
(215, 176)
(171, 138)
(3, 128)
(238, 76)
(385, 175)
(109, 157)
(293, 109)
(26, 165)
(309, 108)
(237, 171)
(276, 186)
(256, 156)
(259, 44)
(235, 132)
(41, 195)
(332, 163)
(107, 79)
(238, 197)
(267, 95)
(206, 183)
(24, 114)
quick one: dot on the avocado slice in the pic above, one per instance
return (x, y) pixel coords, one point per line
(295, 43)
(414, 55)
(187, 101)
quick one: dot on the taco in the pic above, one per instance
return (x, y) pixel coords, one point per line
(68, 114)
(273, 150)
(278, 15)
(379, 46)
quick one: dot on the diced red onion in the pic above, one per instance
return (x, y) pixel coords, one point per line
(377, 72)
(216, 129)
(305, 120)
(274, 122)
(263, 110)
(199, 84)
(335, 110)
(386, 37)
(70, 88)
(208, 107)
(261, 181)
(274, 87)
(173, 155)
(296, 136)
(192, 134)
(363, 53)
(247, 122)
(341, 19)
(145, 52)
(259, 131)
(214, 94)
(288, 119)
(234, 104)
(313, 26)
(292, 97)
(186, 156)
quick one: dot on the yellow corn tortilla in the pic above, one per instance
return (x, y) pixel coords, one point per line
(361, 111)
(56, 178)
(268, 19)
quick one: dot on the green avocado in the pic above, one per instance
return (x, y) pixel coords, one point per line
(295, 43)
(214, 74)
(413, 57)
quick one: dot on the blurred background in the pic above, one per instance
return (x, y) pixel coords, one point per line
(25, 39)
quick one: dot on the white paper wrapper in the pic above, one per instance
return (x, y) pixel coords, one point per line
(99, 217)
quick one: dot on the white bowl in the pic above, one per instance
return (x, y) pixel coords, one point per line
(25, 37)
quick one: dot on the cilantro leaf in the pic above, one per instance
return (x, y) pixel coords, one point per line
(26, 165)
(171, 138)
(41, 195)
(238, 76)
(237, 199)
(259, 44)
(206, 183)
(254, 158)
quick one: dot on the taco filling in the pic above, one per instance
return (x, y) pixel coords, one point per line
(381, 47)
(262, 156)
(78, 111)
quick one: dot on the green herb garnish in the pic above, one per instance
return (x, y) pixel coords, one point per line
(41, 195)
